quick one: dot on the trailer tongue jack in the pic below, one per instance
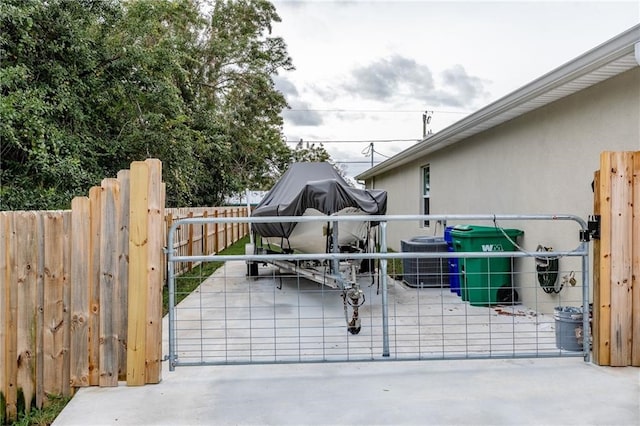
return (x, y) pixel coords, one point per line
(353, 297)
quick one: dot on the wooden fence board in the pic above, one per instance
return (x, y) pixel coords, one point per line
(53, 329)
(162, 256)
(595, 332)
(604, 285)
(155, 259)
(216, 233)
(635, 272)
(109, 311)
(616, 316)
(11, 342)
(79, 301)
(203, 239)
(66, 291)
(67, 314)
(137, 291)
(621, 233)
(4, 276)
(41, 397)
(225, 231)
(122, 282)
(190, 239)
(26, 273)
(205, 234)
(95, 204)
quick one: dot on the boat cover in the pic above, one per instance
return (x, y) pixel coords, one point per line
(313, 185)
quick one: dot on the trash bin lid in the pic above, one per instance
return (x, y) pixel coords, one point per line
(427, 240)
(483, 231)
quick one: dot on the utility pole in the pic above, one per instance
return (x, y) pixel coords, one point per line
(426, 119)
(371, 149)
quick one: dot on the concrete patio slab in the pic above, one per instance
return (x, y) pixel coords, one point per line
(540, 391)
(471, 392)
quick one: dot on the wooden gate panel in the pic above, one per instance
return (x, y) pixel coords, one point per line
(616, 296)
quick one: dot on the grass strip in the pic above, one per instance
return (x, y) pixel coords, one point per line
(43, 416)
(189, 281)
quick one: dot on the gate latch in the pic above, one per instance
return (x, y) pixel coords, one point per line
(593, 229)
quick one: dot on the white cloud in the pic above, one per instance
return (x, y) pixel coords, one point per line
(366, 70)
(388, 78)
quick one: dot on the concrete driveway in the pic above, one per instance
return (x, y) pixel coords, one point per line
(474, 392)
(541, 391)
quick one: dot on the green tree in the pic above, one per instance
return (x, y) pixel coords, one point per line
(237, 97)
(305, 152)
(87, 86)
(48, 149)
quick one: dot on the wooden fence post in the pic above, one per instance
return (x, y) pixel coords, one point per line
(621, 233)
(635, 271)
(144, 350)
(190, 241)
(205, 234)
(109, 315)
(226, 230)
(138, 255)
(245, 229)
(168, 223)
(155, 253)
(80, 258)
(615, 311)
(54, 305)
(4, 276)
(235, 230)
(216, 243)
(8, 307)
(26, 273)
(597, 310)
(95, 205)
(603, 285)
(41, 396)
(66, 291)
(122, 283)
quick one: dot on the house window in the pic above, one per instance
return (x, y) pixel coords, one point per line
(426, 186)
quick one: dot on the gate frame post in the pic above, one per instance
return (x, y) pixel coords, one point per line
(385, 304)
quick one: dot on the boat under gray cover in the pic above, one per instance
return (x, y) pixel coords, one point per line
(313, 186)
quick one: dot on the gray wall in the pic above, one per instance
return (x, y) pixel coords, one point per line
(540, 163)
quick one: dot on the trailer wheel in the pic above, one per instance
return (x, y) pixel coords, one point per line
(252, 269)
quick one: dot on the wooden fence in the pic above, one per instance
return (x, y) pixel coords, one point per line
(616, 293)
(81, 290)
(194, 240)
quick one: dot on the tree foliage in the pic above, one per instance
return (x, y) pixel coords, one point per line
(312, 152)
(87, 86)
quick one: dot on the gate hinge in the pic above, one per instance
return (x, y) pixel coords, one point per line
(593, 229)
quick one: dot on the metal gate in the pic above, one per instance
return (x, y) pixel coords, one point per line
(261, 307)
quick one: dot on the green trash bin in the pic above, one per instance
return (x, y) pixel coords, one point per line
(485, 281)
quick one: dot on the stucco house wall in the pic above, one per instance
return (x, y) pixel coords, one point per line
(540, 162)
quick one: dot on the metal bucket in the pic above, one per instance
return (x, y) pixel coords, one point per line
(568, 327)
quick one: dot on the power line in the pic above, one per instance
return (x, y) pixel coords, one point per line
(388, 111)
(356, 141)
(379, 153)
(355, 162)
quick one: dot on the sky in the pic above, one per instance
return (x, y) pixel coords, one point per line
(368, 71)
